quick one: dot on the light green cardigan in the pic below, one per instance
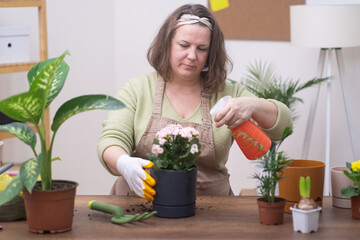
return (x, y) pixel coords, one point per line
(125, 127)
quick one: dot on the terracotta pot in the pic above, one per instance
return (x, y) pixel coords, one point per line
(289, 186)
(355, 207)
(175, 193)
(51, 211)
(339, 181)
(271, 213)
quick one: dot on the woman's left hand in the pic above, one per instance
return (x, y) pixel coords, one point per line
(239, 110)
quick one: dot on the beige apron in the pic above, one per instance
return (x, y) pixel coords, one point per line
(210, 180)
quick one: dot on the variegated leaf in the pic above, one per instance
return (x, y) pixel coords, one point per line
(50, 76)
(24, 107)
(22, 132)
(29, 173)
(82, 104)
(12, 190)
(36, 70)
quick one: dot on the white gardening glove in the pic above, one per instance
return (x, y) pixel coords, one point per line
(132, 169)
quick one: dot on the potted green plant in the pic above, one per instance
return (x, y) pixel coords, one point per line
(353, 192)
(46, 80)
(174, 152)
(271, 207)
(265, 83)
(305, 214)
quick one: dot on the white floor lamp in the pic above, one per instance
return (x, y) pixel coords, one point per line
(330, 28)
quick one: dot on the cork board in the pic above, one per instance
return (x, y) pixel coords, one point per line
(256, 19)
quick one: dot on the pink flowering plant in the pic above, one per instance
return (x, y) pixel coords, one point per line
(175, 148)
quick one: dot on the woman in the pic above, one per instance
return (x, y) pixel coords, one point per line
(191, 66)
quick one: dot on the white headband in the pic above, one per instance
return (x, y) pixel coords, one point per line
(190, 19)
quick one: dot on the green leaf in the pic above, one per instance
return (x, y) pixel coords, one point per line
(349, 191)
(287, 132)
(353, 176)
(21, 131)
(24, 107)
(302, 186)
(82, 104)
(49, 75)
(55, 159)
(12, 190)
(29, 173)
(307, 187)
(231, 81)
(348, 165)
(37, 69)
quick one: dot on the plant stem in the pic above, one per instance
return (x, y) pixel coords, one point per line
(45, 171)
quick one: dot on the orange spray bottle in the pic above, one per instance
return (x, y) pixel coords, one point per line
(253, 142)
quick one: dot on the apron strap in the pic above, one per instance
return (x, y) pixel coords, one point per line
(159, 93)
(205, 108)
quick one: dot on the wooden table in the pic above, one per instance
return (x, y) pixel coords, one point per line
(215, 218)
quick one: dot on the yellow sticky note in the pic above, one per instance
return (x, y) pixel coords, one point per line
(217, 5)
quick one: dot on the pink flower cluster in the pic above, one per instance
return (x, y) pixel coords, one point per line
(157, 149)
(173, 130)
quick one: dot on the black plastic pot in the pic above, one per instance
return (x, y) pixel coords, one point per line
(175, 193)
(5, 119)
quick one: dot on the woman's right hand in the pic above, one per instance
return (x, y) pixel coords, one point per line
(132, 169)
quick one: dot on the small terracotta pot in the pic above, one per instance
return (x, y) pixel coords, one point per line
(271, 213)
(51, 211)
(246, 142)
(339, 181)
(289, 185)
(355, 207)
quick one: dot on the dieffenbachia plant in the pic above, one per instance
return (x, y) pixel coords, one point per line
(46, 79)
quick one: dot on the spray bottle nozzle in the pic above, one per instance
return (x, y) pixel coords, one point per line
(219, 105)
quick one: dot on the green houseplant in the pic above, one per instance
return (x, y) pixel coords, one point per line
(353, 192)
(46, 79)
(174, 152)
(272, 165)
(264, 82)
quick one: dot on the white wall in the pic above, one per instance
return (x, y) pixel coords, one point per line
(108, 41)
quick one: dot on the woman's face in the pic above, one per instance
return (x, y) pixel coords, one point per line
(189, 51)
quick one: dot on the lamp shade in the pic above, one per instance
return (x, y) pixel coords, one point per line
(325, 26)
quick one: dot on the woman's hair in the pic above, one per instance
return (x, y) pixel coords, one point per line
(217, 64)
